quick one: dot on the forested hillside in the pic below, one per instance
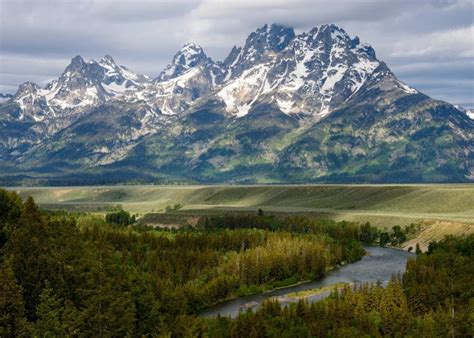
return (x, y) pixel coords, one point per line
(77, 275)
(66, 274)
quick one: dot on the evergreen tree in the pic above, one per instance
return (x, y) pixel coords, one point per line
(107, 305)
(13, 322)
(71, 319)
(417, 249)
(30, 255)
(10, 209)
(384, 238)
(49, 313)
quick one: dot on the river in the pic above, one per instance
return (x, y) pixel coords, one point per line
(379, 265)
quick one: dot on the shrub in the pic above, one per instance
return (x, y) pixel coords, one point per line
(120, 217)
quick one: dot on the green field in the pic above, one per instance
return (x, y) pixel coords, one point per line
(382, 205)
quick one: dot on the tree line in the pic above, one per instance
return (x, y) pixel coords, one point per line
(365, 233)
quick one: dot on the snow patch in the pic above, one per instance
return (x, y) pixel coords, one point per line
(285, 106)
(406, 88)
(334, 75)
(114, 88)
(301, 71)
(360, 72)
(184, 78)
(242, 92)
(189, 51)
(128, 75)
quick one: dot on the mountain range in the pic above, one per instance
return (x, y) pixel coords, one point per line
(283, 108)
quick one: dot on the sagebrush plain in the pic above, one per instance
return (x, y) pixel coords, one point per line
(379, 204)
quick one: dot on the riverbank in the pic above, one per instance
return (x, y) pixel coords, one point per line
(380, 265)
(306, 294)
(252, 290)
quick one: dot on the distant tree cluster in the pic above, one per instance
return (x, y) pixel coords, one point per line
(365, 233)
(398, 235)
(175, 207)
(120, 217)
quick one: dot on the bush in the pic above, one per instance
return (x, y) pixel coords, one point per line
(175, 207)
(121, 217)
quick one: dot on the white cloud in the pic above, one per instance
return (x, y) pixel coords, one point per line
(458, 42)
(38, 35)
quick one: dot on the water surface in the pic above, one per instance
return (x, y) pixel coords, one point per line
(379, 265)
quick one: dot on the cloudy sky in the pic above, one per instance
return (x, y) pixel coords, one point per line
(428, 44)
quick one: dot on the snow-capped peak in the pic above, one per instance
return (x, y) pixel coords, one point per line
(314, 71)
(107, 60)
(27, 88)
(311, 74)
(81, 86)
(261, 46)
(336, 33)
(270, 37)
(119, 74)
(189, 56)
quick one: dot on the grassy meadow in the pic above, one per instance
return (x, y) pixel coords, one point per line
(383, 205)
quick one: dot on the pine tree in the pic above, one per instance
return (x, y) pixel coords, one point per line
(71, 318)
(49, 312)
(10, 209)
(31, 259)
(13, 322)
(418, 250)
(107, 303)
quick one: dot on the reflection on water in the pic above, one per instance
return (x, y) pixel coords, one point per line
(379, 265)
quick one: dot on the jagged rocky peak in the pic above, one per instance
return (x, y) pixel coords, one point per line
(86, 83)
(260, 46)
(109, 65)
(270, 37)
(119, 74)
(79, 72)
(32, 105)
(332, 33)
(326, 37)
(108, 60)
(189, 56)
(27, 88)
(190, 75)
(312, 74)
(78, 86)
(77, 62)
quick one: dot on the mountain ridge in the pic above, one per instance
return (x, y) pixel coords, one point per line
(248, 118)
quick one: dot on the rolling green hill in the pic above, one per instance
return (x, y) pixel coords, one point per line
(379, 204)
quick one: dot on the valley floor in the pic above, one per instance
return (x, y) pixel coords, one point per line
(440, 209)
(382, 205)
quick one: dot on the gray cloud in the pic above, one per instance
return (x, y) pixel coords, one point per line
(428, 44)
